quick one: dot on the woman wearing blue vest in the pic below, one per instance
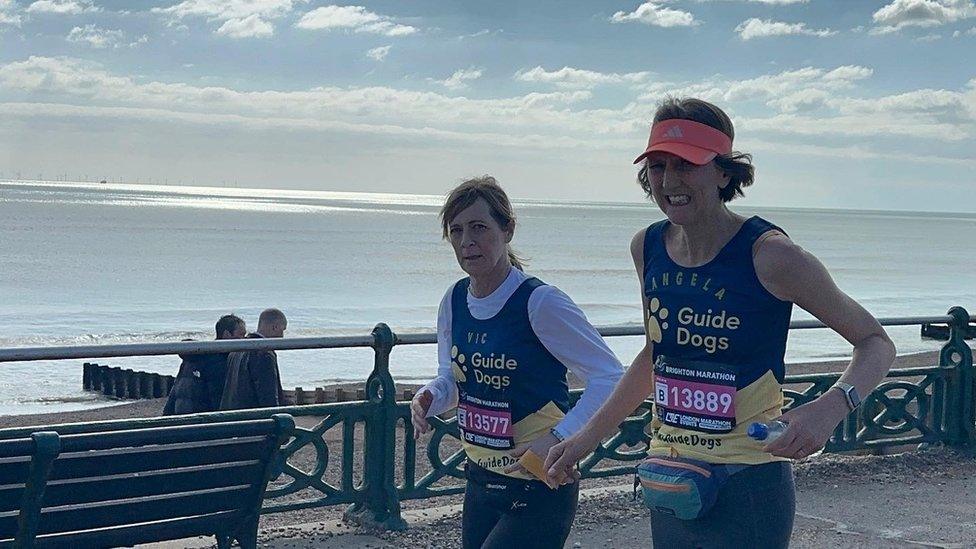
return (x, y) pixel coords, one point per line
(505, 342)
(717, 291)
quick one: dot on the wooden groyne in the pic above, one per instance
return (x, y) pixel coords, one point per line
(133, 385)
(124, 384)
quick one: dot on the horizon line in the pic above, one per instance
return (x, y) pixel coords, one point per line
(515, 198)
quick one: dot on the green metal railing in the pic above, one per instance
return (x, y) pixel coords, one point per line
(378, 464)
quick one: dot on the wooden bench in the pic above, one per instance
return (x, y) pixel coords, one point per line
(141, 485)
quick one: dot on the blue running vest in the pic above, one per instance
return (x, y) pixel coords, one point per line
(726, 336)
(510, 388)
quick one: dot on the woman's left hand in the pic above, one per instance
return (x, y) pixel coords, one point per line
(539, 447)
(810, 426)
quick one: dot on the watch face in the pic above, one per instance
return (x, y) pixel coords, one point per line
(854, 397)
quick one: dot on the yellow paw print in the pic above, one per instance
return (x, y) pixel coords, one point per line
(457, 364)
(656, 323)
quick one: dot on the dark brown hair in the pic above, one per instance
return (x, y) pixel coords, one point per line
(467, 193)
(737, 165)
(228, 323)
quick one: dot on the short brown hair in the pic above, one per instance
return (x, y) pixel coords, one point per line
(467, 193)
(737, 165)
(271, 316)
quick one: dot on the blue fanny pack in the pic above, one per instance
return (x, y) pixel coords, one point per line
(684, 488)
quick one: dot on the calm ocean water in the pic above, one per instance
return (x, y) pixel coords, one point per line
(88, 264)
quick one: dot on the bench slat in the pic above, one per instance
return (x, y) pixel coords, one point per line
(14, 472)
(131, 460)
(87, 517)
(141, 533)
(165, 435)
(11, 497)
(8, 526)
(96, 489)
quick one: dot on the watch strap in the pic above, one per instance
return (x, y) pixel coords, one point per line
(850, 394)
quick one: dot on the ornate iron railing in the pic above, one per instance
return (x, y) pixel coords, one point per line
(378, 465)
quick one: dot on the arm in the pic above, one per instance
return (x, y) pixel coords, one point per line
(263, 366)
(792, 274)
(440, 395)
(564, 331)
(632, 389)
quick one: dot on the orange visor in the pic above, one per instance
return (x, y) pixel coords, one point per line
(695, 142)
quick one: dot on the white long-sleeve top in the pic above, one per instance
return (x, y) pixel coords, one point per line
(561, 327)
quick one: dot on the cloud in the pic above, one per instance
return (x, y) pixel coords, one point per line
(651, 13)
(379, 53)
(758, 28)
(237, 18)
(354, 18)
(808, 107)
(482, 32)
(7, 14)
(371, 109)
(460, 78)
(773, 89)
(66, 7)
(96, 37)
(768, 2)
(920, 13)
(928, 38)
(252, 26)
(815, 102)
(569, 77)
(800, 101)
(970, 32)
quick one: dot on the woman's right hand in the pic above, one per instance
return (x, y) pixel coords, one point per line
(560, 465)
(418, 412)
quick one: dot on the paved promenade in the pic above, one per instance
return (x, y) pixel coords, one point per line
(918, 499)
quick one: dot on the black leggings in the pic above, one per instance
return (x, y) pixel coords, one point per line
(506, 513)
(754, 509)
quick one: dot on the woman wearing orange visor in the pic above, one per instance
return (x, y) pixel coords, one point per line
(717, 290)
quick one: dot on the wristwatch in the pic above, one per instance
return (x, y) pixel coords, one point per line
(850, 394)
(556, 434)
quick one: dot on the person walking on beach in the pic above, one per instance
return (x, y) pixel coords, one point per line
(505, 341)
(200, 382)
(253, 380)
(717, 290)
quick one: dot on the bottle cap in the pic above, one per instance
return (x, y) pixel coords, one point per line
(758, 431)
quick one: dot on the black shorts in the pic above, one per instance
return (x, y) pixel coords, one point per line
(755, 508)
(502, 512)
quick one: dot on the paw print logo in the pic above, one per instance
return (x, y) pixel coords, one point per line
(457, 364)
(656, 320)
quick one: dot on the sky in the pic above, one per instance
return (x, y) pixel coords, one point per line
(843, 104)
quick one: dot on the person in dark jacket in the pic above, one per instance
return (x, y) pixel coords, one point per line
(252, 379)
(200, 381)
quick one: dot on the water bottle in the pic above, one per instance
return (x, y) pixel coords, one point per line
(766, 432)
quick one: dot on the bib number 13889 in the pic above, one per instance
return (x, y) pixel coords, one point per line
(694, 399)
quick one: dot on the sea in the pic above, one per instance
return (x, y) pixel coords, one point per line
(89, 263)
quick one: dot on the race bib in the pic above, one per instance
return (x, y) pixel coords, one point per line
(698, 396)
(486, 423)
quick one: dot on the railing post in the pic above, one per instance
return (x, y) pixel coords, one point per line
(382, 506)
(957, 354)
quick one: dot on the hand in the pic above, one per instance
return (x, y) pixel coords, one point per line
(539, 447)
(562, 458)
(418, 412)
(810, 426)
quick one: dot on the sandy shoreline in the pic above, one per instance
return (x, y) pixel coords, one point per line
(154, 407)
